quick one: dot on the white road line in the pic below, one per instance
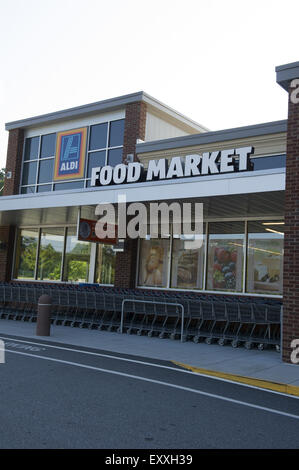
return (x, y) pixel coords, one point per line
(159, 382)
(144, 363)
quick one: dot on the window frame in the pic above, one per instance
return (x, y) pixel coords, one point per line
(204, 290)
(39, 159)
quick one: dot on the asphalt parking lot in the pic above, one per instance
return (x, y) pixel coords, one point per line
(59, 396)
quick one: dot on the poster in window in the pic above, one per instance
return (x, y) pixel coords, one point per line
(225, 265)
(153, 263)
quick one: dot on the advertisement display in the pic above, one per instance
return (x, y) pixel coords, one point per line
(154, 256)
(265, 263)
(70, 154)
(87, 232)
(225, 263)
(187, 266)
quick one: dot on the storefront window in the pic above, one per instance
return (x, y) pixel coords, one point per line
(50, 254)
(26, 254)
(265, 257)
(154, 262)
(187, 264)
(105, 264)
(225, 256)
(77, 258)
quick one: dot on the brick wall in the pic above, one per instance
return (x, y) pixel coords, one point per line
(134, 127)
(126, 262)
(7, 234)
(126, 265)
(291, 243)
(14, 161)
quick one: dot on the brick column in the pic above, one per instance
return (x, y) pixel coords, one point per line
(14, 161)
(134, 127)
(7, 235)
(126, 262)
(126, 265)
(290, 327)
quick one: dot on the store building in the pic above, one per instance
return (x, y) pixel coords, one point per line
(246, 178)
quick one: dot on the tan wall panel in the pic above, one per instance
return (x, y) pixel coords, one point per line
(263, 145)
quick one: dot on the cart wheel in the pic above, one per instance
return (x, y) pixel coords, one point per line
(208, 340)
(161, 335)
(195, 339)
(150, 334)
(129, 330)
(172, 336)
(139, 332)
(248, 345)
(277, 347)
(118, 329)
(261, 347)
(235, 343)
(221, 342)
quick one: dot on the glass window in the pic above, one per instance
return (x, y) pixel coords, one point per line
(48, 145)
(70, 185)
(46, 171)
(96, 159)
(105, 264)
(187, 264)
(265, 257)
(43, 188)
(28, 190)
(225, 256)
(154, 262)
(98, 136)
(29, 173)
(116, 136)
(115, 157)
(26, 254)
(77, 258)
(264, 163)
(50, 254)
(31, 148)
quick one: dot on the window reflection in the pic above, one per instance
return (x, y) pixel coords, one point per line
(105, 264)
(26, 254)
(77, 258)
(50, 254)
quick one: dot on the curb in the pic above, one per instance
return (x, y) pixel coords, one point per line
(259, 383)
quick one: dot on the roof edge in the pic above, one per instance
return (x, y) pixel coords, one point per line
(102, 106)
(255, 130)
(286, 73)
(77, 111)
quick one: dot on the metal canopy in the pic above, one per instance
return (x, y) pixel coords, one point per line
(268, 204)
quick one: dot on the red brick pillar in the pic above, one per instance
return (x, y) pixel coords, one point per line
(290, 327)
(134, 127)
(126, 265)
(7, 235)
(14, 161)
(126, 262)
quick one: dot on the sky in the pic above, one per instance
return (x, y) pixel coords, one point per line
(212, 60)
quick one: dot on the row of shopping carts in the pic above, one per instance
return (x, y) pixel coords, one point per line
(222, 319)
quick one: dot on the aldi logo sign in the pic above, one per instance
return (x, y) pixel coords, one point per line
(70, 154)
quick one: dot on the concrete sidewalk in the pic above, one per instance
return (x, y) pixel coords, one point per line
(223, 361)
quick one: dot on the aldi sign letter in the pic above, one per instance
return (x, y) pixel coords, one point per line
(70, 154)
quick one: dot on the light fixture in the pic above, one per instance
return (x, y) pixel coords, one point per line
(272, 223)
(274, 231)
